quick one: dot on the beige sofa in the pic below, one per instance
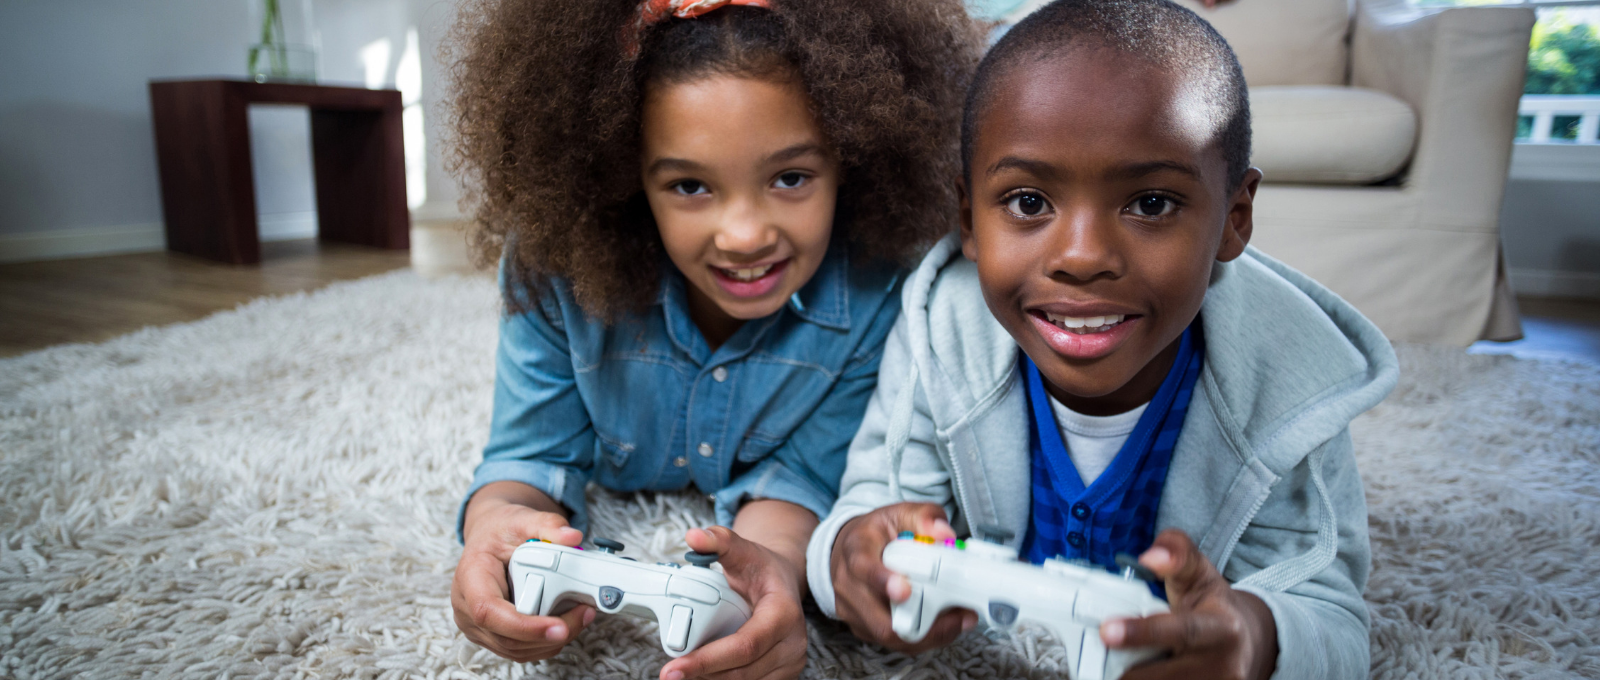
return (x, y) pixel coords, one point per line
(1385, 132)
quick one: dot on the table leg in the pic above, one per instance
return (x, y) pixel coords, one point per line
(207, 189)
(359, 158)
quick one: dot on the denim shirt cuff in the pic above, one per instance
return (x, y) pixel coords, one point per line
(771, 480)
(563, 484)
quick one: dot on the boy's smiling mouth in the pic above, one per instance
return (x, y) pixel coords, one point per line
(1083, 334)
(1083, 325)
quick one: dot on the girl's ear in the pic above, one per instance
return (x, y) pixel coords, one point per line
(969, 247)
(1241, 221)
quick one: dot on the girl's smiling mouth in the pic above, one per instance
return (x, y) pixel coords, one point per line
(750, 281)
(1083, 336)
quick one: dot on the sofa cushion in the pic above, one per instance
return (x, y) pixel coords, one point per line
(1329, 135)
(1285, 42)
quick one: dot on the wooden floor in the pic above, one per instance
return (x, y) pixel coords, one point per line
(95, 299)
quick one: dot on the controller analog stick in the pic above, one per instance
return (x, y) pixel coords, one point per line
(700, 559)
(607, 545)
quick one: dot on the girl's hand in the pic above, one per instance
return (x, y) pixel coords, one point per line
(863, 587)
(1213, 630)
(772, 644)
(479, 595)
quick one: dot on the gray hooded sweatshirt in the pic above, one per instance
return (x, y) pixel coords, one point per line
(1263, 477)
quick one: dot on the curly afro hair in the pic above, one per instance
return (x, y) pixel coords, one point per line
(545, 119)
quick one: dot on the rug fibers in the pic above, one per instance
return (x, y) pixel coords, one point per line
(270, 492)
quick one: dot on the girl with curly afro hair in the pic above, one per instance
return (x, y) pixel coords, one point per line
(701, 210)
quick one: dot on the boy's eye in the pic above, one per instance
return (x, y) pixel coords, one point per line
(1027, 205)
(1154, 206)
(790, 180)
(690, 187)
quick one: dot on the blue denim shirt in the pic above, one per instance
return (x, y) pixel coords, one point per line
(644, 403)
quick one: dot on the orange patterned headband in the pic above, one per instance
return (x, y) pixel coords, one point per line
(655, 11)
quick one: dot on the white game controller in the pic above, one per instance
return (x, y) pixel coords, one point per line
(1069, 599)
(693, 605)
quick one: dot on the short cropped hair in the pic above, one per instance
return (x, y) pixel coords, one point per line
(1157, 32)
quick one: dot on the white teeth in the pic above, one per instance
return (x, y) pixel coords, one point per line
(1087, 324)
(750, 274)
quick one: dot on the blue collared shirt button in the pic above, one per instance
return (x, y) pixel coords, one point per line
(719, 374)
(706, 450)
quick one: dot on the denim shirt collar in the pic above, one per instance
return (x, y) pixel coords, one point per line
(824, 300)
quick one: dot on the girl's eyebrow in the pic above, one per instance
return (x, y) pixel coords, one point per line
(796, 151)
(680, 164)
(781, 156)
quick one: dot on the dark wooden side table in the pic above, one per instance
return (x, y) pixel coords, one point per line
(207, 186)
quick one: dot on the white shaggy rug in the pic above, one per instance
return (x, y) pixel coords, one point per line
(270, 492)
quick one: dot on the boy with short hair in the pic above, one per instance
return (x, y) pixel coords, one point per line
(1170, 378)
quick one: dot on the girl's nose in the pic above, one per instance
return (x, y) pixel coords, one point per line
(746, 229)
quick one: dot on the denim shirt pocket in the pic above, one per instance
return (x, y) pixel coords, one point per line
(755, 447)
(612, 453)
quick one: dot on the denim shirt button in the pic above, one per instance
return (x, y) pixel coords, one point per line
(719, 374)
(680, 461)
(705, 450)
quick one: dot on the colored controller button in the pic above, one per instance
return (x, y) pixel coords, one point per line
(906, 535)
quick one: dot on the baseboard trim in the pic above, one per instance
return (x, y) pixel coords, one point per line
(63, 244)
(1549, 283)
(1556, 162)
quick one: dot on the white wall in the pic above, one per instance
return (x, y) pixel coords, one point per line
(77, 155)
(1550, 223)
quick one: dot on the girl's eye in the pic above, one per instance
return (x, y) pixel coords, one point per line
(690, 187)
(790, 180)
(1154, 206)
(1027, 205)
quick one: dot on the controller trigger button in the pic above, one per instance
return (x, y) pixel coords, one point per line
(677, 630)
(1002, 614)
(528, 594)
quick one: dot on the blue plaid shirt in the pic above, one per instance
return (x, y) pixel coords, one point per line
(1117, 513)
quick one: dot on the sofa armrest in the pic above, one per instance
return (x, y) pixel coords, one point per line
(1462, 70)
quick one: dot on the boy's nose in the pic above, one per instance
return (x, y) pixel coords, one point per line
(1085, 247)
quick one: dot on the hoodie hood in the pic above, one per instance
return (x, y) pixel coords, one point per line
(1288, 363)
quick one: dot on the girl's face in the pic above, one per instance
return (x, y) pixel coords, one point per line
(742, 185)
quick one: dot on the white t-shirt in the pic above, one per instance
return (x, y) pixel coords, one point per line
(1093, 441)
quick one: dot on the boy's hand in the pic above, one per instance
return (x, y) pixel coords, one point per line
(863, 587)
(772, 644)
(1213, 630)
(479, 595)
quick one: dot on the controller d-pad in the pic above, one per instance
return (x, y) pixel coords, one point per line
(610, 597)
(1002, 614)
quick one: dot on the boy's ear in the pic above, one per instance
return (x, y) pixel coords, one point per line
(969, 247)
(1241, 218)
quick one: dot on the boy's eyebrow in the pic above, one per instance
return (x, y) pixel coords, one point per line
(1039, 169)
(1137, 170)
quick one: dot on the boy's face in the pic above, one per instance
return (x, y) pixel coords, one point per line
(742, 185)
(1098, 202)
